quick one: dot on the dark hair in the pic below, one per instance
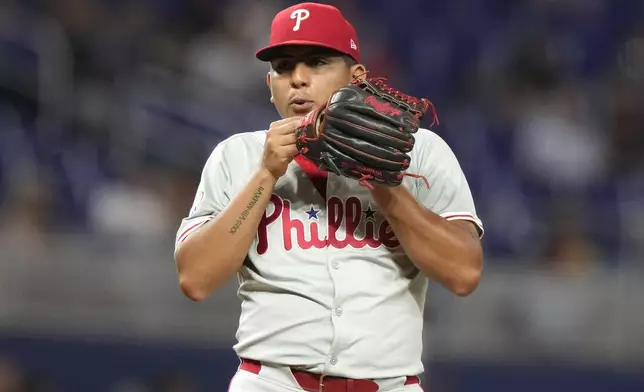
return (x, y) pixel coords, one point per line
(348, 60)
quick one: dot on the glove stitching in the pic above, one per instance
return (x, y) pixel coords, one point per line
(338, 143)
(409, 143)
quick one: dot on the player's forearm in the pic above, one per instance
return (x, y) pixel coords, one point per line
(442, 250)
(211, 256)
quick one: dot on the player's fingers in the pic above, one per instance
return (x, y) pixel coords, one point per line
(282, 152)
(279, 123)
(290, 150)
(287, 126)
(286, 139)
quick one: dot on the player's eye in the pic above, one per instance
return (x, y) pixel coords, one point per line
(282, 66)
(316, 61)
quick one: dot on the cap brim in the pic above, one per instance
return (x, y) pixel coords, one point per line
(269, 52)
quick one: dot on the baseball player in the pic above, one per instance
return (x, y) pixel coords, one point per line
(333, 275)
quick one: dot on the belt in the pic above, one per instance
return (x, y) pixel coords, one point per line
(312, 382)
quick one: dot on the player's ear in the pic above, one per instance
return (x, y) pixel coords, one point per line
(268, 83)
(358, 72)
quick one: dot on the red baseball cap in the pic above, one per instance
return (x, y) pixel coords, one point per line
(312, 24)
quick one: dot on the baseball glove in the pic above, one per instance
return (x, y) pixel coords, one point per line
(365, 131)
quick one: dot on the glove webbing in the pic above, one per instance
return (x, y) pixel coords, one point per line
(418, 107)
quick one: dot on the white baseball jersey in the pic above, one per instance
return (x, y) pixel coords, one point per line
(326, 285)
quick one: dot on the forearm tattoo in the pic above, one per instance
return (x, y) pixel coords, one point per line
(242, 217)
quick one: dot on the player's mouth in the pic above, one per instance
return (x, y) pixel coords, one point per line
(301, 106)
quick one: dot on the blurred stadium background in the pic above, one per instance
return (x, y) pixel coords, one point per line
(109, 108)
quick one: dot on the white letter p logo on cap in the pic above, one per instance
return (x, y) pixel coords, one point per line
(299, 15)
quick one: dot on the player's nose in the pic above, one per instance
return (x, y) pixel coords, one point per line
(301, 76)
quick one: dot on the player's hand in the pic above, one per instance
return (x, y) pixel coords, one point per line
(280, 148)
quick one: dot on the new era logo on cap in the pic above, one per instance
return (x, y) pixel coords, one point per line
(312, 24)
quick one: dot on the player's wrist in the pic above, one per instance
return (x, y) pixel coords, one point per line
(265, 176)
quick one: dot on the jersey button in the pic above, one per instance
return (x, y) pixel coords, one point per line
(338, 312)
(334, 360)
(336, 265)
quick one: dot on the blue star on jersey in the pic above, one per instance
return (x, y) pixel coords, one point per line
(369, 213)
(313, 213)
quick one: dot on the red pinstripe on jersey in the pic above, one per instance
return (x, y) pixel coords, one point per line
(459, 216)
(189, 230)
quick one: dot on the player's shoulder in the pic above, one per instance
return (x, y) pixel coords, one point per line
(237, 146)
(427, 140)
(240, 142)
(431, 151)
(242, 139)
